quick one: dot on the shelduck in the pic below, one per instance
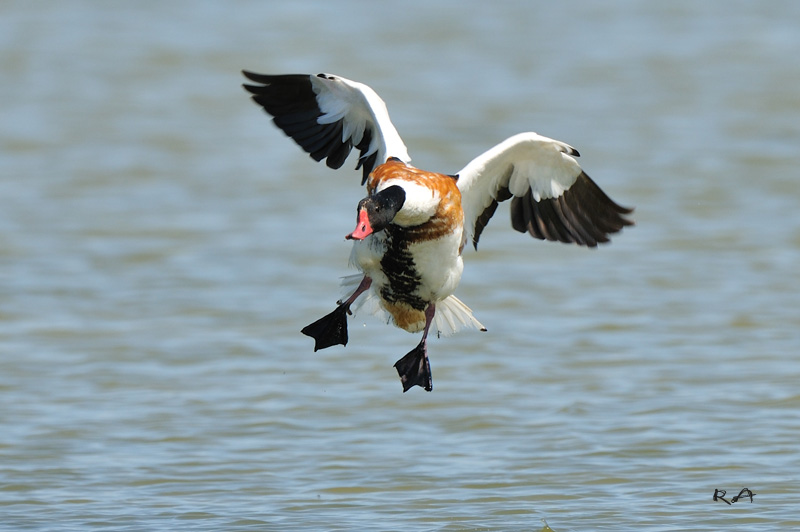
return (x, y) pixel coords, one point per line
(413, 225)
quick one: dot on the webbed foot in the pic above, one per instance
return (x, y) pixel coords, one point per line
(415, 368)
(330, 329)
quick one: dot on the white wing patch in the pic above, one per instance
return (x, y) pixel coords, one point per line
(359, 107)
(544, 180)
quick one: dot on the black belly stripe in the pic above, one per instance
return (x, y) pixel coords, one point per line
(398, 265)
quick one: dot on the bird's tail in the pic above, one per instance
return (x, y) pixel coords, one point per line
(452, 315)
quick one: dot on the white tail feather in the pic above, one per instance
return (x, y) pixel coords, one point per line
(452, 315)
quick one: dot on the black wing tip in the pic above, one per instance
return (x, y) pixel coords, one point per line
(266, 80)
(249, 74)
(603, 198)
(256, 77)
(582, 215)
(261, 78)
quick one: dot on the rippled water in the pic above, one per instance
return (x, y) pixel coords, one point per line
(161, 245)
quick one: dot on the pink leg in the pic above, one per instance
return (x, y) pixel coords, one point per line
(363, 286)
(429, 312)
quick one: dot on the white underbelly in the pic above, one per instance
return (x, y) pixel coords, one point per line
(436, 263)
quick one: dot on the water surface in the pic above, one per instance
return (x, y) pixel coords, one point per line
(162, 244)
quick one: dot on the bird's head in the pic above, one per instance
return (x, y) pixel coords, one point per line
(376, 212)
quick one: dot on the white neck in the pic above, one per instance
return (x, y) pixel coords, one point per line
(420, 205)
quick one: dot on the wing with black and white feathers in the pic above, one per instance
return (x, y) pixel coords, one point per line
(328, 116)
(552, 198)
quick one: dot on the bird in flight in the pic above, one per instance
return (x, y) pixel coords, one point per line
(413, 225)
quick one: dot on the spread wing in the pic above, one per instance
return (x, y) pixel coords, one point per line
(552, 198)
(328, 116)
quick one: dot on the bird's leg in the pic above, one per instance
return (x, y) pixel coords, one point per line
(415, 368)
(332, 329)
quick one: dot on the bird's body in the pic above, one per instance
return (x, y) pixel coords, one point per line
(413, 225)
(416, 260)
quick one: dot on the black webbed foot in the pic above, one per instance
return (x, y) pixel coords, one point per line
(415, 369)
(330, 329)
